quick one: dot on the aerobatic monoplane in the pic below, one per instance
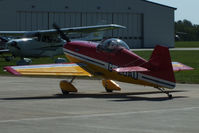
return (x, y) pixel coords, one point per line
(111, 59)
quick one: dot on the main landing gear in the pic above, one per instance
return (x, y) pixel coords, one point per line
(24, 61)
(109, 85)
(166, 92)
(67, 87)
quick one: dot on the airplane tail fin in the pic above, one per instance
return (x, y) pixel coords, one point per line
(161, 69)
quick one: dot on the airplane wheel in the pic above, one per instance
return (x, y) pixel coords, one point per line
(8, 58)
(25, 61)
(107, 90)
(170, 96)
(60, 60)
(65, 92)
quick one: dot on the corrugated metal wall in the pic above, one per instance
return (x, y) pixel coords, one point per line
(133, 34)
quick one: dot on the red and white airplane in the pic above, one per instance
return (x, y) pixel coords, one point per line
(110, 59)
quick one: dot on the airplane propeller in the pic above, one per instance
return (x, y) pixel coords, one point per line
(62, 34)
(3, 39)
(14, 44)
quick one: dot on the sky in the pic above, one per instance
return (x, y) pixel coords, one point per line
(186, 9)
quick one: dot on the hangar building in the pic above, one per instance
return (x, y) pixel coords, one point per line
(148, 23)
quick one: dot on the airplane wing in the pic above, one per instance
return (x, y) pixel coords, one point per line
(180, 67)
(131, 69)
(83, 29)
(89, 29)
(13, 33)
(63, 69)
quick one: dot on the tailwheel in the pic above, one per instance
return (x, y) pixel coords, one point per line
(110, 86)
(170, 96)
(67, 87)
(166, 92)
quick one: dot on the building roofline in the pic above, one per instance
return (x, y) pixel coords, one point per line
(159, 4)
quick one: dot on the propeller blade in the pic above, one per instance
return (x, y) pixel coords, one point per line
(63, 36)
(14, 44)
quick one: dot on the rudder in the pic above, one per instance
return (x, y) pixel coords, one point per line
(160, 66)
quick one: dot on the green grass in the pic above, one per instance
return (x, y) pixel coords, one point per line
(189, 58)
(187, 44)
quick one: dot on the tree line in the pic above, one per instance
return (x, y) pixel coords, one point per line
(186, 31)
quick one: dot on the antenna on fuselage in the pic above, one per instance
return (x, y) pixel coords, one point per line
(62, 34)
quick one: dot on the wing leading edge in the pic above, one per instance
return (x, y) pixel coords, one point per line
(83, 29)
(65, 69)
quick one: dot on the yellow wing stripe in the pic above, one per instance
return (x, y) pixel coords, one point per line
(53, 69)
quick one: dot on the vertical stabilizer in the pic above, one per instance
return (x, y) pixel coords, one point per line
(160, 66)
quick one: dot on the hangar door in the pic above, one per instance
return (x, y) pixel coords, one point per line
(27, 20)
(133, 34)
(35, 20)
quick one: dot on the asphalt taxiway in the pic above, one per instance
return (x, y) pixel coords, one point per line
(35, 105)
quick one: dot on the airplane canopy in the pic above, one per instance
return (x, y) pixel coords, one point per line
(111, 45)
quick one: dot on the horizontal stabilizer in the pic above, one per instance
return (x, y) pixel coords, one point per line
(180, 67)
(131, 69)
(65, 69)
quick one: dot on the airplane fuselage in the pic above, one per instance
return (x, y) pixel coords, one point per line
(102, 63)
(31, 47)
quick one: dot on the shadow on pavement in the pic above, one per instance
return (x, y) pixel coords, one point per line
(117, 97)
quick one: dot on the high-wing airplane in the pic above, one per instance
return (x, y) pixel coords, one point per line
(111, 60)
(46, 43)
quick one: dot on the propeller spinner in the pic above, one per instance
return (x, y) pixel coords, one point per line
(62, 34)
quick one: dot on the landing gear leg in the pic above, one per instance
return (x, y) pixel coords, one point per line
(166, 92)
(72, 80)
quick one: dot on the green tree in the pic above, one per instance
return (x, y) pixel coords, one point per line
(187, 31)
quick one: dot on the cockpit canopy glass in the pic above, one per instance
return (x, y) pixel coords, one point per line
(111, 45)
(31, 34)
